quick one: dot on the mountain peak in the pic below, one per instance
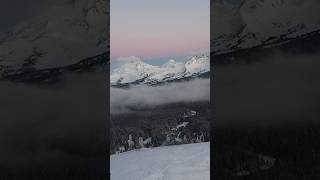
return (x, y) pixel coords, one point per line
(172, 61)
(137, 71)
(170, 64)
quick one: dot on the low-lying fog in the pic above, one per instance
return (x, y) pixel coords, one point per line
(141, 96)
(62, 123)
(280, 88)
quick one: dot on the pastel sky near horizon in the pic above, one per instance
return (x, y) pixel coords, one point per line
(158, 29)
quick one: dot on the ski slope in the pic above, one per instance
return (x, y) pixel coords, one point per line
(179, 162)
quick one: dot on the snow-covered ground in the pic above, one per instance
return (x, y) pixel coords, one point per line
(179, 162)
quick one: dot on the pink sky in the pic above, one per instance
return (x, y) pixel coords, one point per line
(153, 28)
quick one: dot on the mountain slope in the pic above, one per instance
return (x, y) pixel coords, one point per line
(138, 72)
(257, 23)
(180, 162)
(67, 33)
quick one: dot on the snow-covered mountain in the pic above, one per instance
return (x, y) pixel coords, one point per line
(179, 162)
(70, 31)
(137, 71)
(264, 23)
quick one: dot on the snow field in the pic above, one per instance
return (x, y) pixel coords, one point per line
(178, 162)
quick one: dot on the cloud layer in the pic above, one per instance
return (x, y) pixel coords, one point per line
(280, 88)
(137, 97)
(56, 126)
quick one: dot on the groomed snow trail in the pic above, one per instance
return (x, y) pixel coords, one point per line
(179, 162)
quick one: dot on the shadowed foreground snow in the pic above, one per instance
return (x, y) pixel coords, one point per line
(179, 162)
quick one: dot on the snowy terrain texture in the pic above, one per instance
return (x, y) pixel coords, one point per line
(65, 34)
(135, 70)
(253, 23)
(178, 162)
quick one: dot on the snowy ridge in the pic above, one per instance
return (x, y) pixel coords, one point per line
(137, 71)
(53, 75)
(262, 23)
(179, 162)
(67, 33)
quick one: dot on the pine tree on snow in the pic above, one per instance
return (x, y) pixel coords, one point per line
(141, 142)
(130, 142)
(201, 137)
